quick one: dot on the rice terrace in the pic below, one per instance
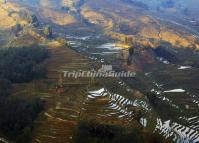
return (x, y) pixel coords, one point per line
(99, 71)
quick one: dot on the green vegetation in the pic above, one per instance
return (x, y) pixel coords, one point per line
(5, 86)
(16, 114)
(98, 133)
(63, 41)
(22, 64)
(48, 31)
(91, 132)
(16, 29)
(30, 17)
(163, 52)
(162, 108)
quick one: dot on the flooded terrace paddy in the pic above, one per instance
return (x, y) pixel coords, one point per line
(111, 101)
(176, 90)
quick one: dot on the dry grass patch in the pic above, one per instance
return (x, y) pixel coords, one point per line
(58, 17)
(9, 16)
(6, 21)
(96, 18)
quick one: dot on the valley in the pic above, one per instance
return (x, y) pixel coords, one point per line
(159, 104)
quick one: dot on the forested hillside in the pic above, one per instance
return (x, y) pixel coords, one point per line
(18, 113)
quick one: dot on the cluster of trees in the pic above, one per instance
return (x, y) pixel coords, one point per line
(22, 64)
(48, 32)
(165, 53)
(16, 29)
(17, 114)
(162, 108)
(25, 15)
(91, 132)
(30, 17)
(33, 20)
(196, 64)
(130, 57)
(98, 133)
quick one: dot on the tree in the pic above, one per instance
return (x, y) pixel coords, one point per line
(28, 63)
(5, 86)
(130, 57)
(30, 17)
(48, 31)
(16, 29)
(17, 114)
(152, 99)
(62, 41)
